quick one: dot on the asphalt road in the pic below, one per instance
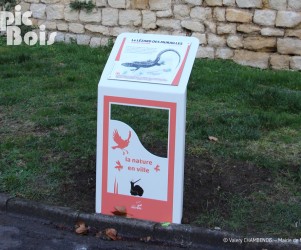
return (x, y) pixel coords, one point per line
(21, 232)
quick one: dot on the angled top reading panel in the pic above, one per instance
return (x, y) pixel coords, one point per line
(154, 59)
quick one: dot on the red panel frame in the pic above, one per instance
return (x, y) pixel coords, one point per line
(154, 210)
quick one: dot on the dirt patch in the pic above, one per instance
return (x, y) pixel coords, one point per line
(205, 182)
(208, 184)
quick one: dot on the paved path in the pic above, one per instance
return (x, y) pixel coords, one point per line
(22, 232)
(31, 225)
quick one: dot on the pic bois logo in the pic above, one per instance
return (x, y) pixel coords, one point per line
(10, 22)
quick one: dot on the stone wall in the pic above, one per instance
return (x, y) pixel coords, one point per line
(257, 33)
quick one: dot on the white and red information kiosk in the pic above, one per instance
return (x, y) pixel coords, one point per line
(149, 71)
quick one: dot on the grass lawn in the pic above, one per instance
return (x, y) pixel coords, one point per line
(48, 104)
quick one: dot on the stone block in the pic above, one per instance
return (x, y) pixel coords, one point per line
(60, 37)
(95, 42)
(181, 11)
(249, 3)
(210, 26)
(105, 41)
(295, 63)
(148, 19)
(98, 29)
(260, 43)
(205, 52)
(248, 28)
(130, 17)
(195, 26)
(214, 2)
(50, 25)
(119, 4)
(70, 38)
(159, 4)
(201, 13)
(278, 4)
(62, 26)
(109, 17)
(235, 41)
(272, 32)
(265, 17)
(239, 16)
(201, 36)
(24, 6)
(164, 13)
(38, 10)
(101, 3)
(230, 3)
(280, 61)
(288, 19)
(169, 24)
(224, 53)
(216, 41)
(139, 4)
(293, 33)
(76, 28)
(252, 59)
(194, 2)
(294, 5)
(118, 30)
(89, 17)
(55, 11)
(70, 14)
(227, 28)
(83, 39)
(289, 46)
(219, 14)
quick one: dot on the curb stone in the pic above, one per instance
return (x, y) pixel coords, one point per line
(186, 236)
(52, 213)
(4, 198)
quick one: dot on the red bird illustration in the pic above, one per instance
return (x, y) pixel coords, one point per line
(122, 144)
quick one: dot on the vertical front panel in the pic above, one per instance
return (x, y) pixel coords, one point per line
(132, 177)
